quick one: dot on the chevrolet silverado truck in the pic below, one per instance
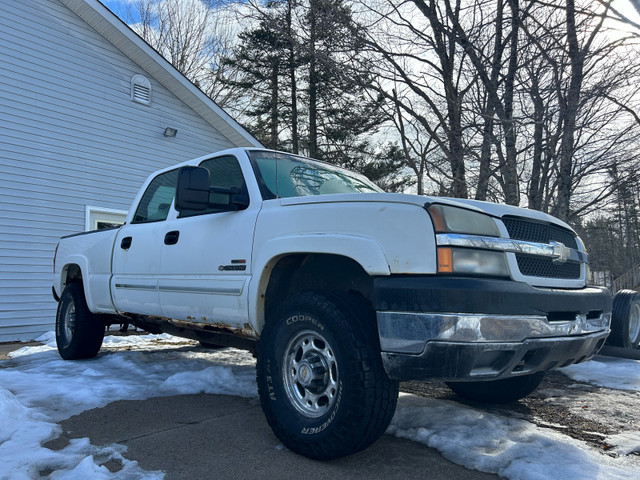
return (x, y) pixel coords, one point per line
(339, 289)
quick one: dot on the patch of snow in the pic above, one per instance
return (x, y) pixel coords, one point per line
(616, 373)
(509, 447)
(624, 443)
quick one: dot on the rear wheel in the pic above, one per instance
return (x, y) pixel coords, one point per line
(79, 333)
(498, 391)
(322, 385)
(625, 320)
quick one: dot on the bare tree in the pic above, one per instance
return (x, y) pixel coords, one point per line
(193, 36)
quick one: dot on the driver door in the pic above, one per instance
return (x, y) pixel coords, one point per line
(206, 266)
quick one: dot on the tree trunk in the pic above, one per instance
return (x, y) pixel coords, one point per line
(273, 137)
(536, 185)
(576, 58)
(509, 169)
(313, 83)
(295, 148)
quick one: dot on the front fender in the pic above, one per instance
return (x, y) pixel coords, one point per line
(365, 251)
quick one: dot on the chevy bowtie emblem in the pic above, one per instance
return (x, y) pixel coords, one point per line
(561, 253)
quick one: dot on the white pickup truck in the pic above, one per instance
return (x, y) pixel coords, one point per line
(339, 289)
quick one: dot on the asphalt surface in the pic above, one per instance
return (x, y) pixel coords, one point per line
(225, 437)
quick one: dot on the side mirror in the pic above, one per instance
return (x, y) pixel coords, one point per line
(192, 189)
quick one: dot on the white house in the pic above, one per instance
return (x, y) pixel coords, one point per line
(87, 111)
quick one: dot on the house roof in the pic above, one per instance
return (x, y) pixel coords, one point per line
(133, 46)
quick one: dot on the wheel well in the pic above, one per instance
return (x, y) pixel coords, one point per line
(71, 273)
(322, 272)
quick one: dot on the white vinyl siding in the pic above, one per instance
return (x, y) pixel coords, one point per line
(71, 138)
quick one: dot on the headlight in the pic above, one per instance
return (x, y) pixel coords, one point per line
(468, 261)
(447, 219)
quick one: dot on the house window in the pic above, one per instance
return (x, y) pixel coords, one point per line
(141, 89)
(100, 218)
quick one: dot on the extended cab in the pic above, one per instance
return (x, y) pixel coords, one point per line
(340, 289)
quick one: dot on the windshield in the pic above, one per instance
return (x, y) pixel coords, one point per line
(281, 175)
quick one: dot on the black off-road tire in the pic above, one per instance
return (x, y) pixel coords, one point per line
(330, 341)
(79, 333)
(625, 320)
(498, 391)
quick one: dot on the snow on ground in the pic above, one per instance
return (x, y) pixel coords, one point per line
(38, 389)
(509, 447)
(607, 372)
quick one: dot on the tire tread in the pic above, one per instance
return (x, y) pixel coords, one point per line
(363, 422)
(622, 303)
(89, 330)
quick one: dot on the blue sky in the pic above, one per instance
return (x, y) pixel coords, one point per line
(119, 7)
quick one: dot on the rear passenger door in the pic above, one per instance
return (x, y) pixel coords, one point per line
(138, 249)
(206, 264)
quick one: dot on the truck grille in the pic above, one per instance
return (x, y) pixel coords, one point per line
(544, 267)
(520, 229)
(532, 266)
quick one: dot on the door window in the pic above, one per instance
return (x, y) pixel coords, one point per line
(156, 201)
(225, 172)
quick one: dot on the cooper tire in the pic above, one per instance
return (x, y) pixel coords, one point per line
(498, 391)
(79, 333)
(322, 385)
(625, 320)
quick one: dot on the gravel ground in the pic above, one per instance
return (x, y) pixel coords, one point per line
(580, 410)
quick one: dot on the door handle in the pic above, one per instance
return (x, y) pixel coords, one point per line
(125, 244)
(171, 238)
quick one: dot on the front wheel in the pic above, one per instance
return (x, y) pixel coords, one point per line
(498, 391)
(79, 333)
(322, 385)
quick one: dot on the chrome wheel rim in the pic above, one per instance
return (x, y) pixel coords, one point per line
(69, 322)
(634, 322)
(310, 373)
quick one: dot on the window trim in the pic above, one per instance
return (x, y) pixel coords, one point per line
(94, 214)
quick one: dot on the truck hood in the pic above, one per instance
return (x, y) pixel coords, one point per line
(493, 209)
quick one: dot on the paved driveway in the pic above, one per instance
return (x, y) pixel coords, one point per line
(218, 436)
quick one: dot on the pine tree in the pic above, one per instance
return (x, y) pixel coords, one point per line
(302, 95)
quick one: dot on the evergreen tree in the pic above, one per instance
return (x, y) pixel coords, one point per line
(301, 95)
(261, 60)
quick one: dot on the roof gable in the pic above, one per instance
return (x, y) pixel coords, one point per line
(107, 24)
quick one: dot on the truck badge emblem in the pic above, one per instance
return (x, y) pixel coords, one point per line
(561, 253)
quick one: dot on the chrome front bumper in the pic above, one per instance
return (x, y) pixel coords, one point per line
(484, 347)
(500, 328)
(409, 332)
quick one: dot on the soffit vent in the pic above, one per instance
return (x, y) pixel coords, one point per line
(141, 89)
